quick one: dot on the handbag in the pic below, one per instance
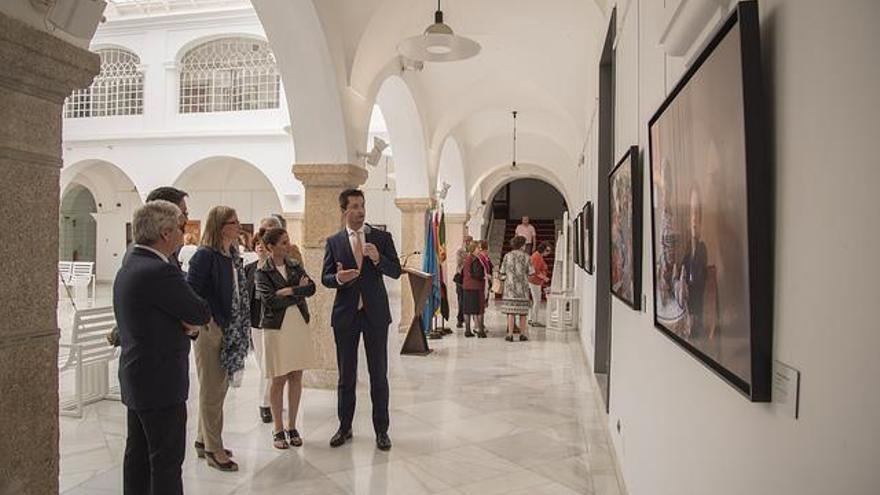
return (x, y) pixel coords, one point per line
(498, 285)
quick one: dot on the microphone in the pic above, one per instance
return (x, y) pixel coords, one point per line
(405, 257)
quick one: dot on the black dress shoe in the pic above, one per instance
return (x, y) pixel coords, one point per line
(383, 442)
(266, 414)
(340, 438)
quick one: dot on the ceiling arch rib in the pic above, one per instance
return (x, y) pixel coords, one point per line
(488, 184)
(308, 71)
(531, 148)
(451, 171)
(407, 137)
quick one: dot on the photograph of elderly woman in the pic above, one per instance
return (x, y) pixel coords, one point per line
(626, 229)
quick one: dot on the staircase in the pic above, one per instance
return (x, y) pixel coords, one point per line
(546, 230)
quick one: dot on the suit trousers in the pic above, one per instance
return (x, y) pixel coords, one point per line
(459, 293)
(154, 451)
(376, 349)
(213, 384)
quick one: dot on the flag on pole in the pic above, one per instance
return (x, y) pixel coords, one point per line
(441, 257)
(430, 265)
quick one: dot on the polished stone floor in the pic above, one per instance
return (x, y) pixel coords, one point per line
(477, 416)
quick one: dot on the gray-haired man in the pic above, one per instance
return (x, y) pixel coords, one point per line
(157, 312)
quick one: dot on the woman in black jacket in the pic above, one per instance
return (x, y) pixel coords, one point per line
(288, 345)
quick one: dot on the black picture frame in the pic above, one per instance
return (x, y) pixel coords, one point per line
(587, 212)
(625, 249)
(577, 251)
(747, 262)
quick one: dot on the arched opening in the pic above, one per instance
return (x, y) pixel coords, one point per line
(451, 172)
(228, 181)
(404, 124)
(510, 202)
(110, 197)
(381, 186)
(77, 228)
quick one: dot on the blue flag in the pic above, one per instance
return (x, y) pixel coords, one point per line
(430, 265)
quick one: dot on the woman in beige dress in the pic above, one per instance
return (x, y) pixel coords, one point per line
(288, 348)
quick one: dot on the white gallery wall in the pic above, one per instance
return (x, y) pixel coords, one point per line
(682, 429)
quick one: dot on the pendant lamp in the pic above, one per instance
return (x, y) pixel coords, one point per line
(438, 43)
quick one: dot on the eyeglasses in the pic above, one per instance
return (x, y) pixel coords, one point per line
(231, 222)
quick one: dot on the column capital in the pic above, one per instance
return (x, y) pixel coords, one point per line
(330, 174)
(41, 65)
(413, 205)
(456, 217)
(293, 215)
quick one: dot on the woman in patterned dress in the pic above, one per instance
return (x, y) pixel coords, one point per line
(515, 269)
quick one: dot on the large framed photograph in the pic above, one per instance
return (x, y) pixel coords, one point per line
(711, 210)
(626, 229)
(588, 237)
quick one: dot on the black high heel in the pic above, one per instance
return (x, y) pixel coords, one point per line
(228, 466)
(200, 450)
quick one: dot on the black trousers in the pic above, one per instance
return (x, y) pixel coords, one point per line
(376, 349)
(154, 451)
(459, 293)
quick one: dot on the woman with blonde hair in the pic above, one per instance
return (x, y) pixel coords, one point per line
(283, 286)
(217, 275)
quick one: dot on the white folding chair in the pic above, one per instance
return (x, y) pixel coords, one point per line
(83, 275)
(89, 355)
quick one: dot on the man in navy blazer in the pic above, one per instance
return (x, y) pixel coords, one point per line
(355, 260)
(157, 313)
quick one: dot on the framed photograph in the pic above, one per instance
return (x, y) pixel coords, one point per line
(626, 229)
(579, 241)
(711, 210)
(572, 235)
(588, 237)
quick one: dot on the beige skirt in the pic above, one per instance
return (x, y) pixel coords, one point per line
(289, 349)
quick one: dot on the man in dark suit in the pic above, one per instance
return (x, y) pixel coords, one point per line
(157, 313)
(355, 260)
(173, 195)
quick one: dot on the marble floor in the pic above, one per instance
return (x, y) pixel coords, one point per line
(477, 416)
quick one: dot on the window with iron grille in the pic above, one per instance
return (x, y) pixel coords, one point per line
(228, 74)
(117, 90)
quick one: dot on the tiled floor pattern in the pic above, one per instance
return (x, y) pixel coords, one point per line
(477, 416)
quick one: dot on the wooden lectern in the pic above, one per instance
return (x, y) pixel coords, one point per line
(420, 283)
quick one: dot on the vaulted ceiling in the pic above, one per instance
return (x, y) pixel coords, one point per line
(537, 58)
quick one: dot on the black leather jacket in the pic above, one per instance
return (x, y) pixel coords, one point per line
(268, 280)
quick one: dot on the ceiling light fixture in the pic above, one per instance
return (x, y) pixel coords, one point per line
(438, 43)
(513, 163)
